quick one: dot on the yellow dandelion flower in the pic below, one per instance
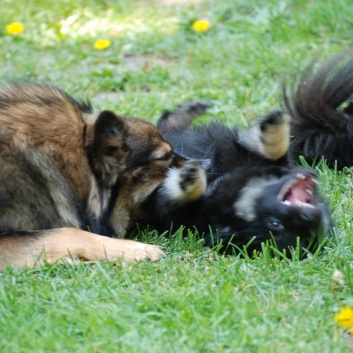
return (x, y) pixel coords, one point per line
(201, 26)
(102, 44)
(345, 317)
(15, 28)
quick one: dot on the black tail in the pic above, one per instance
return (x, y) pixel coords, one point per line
(321, 107)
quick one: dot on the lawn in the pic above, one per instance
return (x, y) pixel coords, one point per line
(195, 300)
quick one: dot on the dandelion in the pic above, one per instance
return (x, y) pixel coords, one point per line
(201, 26)
(345, 318)
(102, 44)
(15, 28)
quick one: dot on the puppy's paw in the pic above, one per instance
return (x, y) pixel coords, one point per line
(193, 108)
(129, 250)
(154, 252)
(190, 176)
(274, 135)
(273, 120)
(187, 183)
(140, 251)
(181, 118)
(269, 137)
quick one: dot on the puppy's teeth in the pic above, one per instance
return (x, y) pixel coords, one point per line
(303, 204)
(301, 176)
(309, 191)
(298, 203)
(287, 202)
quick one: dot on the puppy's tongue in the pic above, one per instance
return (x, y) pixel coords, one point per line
(301, 192)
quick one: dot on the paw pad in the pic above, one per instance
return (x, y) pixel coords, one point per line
(189, 174)
(275, 117)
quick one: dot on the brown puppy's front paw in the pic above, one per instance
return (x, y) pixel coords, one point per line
(141, 251)
(130, 251)
(154, 252)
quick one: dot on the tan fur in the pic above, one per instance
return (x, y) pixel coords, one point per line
(271, 140)
(71, 245)
(275, 141)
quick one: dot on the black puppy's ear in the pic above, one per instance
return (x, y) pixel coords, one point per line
(109, 152)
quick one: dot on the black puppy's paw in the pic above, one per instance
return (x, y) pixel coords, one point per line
(269, 137)
(273, 119)
(194, 108)
(190, 175)
(182, 117)
(187, 183)
(274, 134)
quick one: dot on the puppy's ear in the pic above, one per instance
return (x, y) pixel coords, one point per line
(108, 152)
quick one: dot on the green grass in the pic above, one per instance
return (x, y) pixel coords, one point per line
(195, 300)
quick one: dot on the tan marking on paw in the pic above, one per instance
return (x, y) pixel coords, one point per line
(275, 141)
(196, 189)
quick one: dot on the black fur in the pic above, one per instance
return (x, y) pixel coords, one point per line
(243, 203)
(218, 148)
(321, 107)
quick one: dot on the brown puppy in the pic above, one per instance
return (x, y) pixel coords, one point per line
(59, 176)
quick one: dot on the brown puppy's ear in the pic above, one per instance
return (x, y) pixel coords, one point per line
(108, 152)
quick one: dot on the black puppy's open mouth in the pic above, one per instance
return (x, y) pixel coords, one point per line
(300, 191)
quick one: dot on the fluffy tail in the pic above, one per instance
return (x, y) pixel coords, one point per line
(321, 108)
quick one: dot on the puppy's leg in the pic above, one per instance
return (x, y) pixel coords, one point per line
(185, 184)
(181, 118)
(269, 136)
(31, 248)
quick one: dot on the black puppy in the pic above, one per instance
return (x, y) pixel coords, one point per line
(241, 191)
(321, 109)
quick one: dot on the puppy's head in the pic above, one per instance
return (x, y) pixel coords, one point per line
(150, 156)
(276, 204)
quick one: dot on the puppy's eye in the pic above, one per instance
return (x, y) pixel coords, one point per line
(275, 225)
(116, 149)
(166, 157)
